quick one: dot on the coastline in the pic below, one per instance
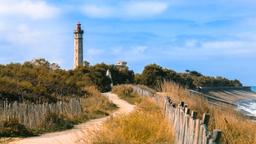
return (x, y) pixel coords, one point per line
(247, 107)
(244, 101)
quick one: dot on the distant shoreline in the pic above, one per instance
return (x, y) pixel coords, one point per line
(243, 99)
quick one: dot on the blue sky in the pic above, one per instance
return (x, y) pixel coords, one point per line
(217, 38)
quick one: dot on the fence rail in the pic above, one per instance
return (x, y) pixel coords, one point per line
(188, 128)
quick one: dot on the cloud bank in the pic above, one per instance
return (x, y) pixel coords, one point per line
(27, 31)
(28, 8)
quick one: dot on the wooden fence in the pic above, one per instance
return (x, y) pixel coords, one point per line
(33, 115)
(188, 128)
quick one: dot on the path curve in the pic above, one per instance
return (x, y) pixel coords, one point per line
(82, 133)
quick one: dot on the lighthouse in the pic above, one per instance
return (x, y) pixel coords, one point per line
(78, 46)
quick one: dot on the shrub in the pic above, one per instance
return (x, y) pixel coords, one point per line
(13, 128)
(54, 122)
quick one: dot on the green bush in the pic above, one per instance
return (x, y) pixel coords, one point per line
(13, 128)
(154, 75)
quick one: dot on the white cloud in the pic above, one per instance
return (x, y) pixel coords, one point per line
(139, 9)
(23, 37)
(97, 11)
(28, 8)
(24, 41)
(144, 9)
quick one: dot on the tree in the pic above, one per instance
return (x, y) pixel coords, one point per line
(121, 76)
(99, 78)
(152, 76)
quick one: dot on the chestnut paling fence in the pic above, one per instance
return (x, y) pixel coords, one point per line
(188, 128)
(33, 115)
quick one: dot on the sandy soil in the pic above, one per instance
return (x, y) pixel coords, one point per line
(82, 133)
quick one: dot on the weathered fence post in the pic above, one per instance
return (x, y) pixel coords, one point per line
(188, 128)
(203, 128)
(216, 137)
(206, 119)
(186, 125)
(191, 130)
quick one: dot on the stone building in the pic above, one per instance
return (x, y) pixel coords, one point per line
(78, 46)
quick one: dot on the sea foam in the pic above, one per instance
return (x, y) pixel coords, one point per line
(247, 107)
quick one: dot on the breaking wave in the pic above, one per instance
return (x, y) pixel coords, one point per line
(247, 107)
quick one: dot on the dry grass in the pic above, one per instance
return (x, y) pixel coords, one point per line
(146, 125)
(5, 140)
(179, 93)
(127, 93)
(236, 128)
(95, 102)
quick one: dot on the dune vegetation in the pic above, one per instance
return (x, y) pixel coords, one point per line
(153, 75)
(145, 125)
(127, 93)
(236, 128)
(38, 96)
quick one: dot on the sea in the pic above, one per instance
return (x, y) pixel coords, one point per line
(253, 88)
(248, 107)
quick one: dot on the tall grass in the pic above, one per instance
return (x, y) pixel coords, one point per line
(96, 105)
(179, 93)
(146, 125)
(127, 93)
(236, 128)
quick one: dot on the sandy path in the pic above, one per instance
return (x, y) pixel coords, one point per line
(82, 133)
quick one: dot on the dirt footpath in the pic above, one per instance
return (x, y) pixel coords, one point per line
(80, 134)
